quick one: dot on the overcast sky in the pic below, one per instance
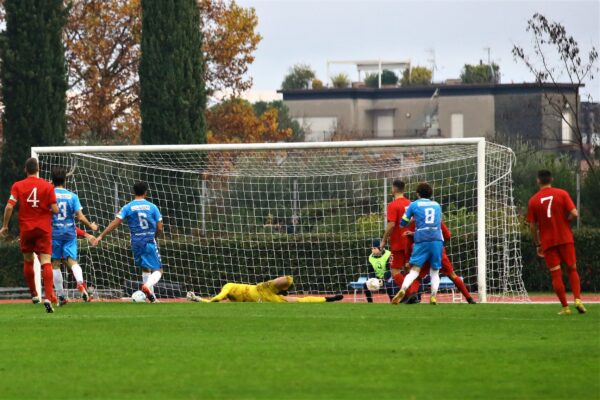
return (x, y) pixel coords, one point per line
(315, 31)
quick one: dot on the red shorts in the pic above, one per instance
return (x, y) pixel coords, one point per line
(563, 253)
(36, 241)
(399, 259)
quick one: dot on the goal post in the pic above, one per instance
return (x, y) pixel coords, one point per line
(247, 212)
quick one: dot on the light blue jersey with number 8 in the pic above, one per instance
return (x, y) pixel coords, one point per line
(142, 217)
(428, 220)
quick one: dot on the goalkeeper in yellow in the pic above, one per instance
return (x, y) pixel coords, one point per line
(273, 291)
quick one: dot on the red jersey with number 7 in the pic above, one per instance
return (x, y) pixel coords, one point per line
(549, 208)
(35, 196)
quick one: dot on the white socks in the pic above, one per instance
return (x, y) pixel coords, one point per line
(58, 282)
(435, 281)
(151, 279)
(77, 273)
(154, 278)
(410, 278)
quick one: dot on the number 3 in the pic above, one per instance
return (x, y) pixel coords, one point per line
(143, 218)
(32, 198)
(543, 199)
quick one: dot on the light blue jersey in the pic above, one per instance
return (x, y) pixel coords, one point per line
(63, 223)
(143, 218)
(428, 220)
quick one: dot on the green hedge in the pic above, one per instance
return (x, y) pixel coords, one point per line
(587, 244)
(309, 252)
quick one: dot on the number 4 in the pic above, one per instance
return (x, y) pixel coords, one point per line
(550, 198)
(32, 198)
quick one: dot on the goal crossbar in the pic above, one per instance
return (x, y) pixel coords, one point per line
(253, 146)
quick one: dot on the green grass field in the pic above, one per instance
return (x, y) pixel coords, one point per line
(298, 351)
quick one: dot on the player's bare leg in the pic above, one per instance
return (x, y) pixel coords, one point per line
(29, 274)
(58, 283)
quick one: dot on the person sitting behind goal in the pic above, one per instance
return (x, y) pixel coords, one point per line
(273, 291)
(379, 268)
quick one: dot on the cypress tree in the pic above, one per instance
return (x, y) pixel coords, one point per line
(34, 82)
(172, 90)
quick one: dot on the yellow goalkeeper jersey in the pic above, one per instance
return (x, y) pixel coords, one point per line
(237, 292)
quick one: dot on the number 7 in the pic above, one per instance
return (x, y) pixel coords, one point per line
(543, 199)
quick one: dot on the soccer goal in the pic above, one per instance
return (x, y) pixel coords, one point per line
(250, 212)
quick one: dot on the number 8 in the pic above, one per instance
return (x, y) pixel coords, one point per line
(429, 215)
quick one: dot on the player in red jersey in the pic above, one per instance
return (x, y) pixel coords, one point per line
(549, 213)
(395, 234)
(447, 269)
(37, 203)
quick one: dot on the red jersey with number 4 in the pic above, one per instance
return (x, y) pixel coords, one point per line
(395, 211)
(35, 196)
(549, 208)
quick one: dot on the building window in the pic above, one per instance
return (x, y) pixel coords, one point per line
(457, 129)
(566, 131)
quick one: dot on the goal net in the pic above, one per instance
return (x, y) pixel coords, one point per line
(249, 213)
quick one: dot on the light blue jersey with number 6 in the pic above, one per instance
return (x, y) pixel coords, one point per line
(142, 218)
(428, 220)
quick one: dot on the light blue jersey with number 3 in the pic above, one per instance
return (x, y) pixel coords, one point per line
(63, 223)
(428, 220)
(142, 217)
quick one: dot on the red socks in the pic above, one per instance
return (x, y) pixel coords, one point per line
(399, 279)
(414, 287)
(461, 286)
(30, 277)
(575, 283)
(559, 286)
(48, 278)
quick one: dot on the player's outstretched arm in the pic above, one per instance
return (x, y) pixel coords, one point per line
(222, 294)
(81, 217)
(159, 228)
(113, 225)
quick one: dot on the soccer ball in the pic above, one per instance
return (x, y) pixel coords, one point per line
(138, 297)
(373, 284)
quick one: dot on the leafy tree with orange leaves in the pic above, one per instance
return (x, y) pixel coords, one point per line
(235, 121)
(102, 41)
(230, 39)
